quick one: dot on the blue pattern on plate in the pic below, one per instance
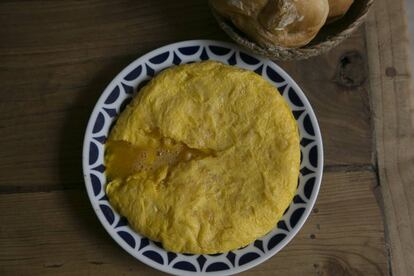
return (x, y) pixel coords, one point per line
(121, 222)
(113, 96)
(309, 187)
(100, 168)
(282, 225)
(294, 98)
(93, 153)
(124, 104)
(297, 113)
(188, 51)
(100, 139)
(121, 94)
(297, 199)
(176, 59)
(231, 257)
(144, 243)
(171, 256)
(104, 198)
(275, 240)
(150, 71)
(135, 73)
(217, 266)
(273, 75)
(99, 123)
(204, 55)
(160, 58)
(201, 261)
(248, 59)
(111, 112)
(158, 244)
(108, 213)
(305, 141)
(96, 184)
(282, 89)
(183, 265)
(128, 89)
(220, 51)
(259, 244)
(248, 257)
(313, 156)
(308, 125)
(294, 218)
(156, 257)
(259, 70)
(232, 60)
(305, 171)
(128, 238)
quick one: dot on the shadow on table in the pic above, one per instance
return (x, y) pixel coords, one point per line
(71, 143)
(188, 19)
(191, 21)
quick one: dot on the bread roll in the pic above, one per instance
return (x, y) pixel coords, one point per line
(286, 23)
(337, 8)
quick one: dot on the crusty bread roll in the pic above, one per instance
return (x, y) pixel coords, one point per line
(338, 8)
(286, 23)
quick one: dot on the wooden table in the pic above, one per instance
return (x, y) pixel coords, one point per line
(56, 57)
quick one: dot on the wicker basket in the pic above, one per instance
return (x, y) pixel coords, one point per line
(328, 37)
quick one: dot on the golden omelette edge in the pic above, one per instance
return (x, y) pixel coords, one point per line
(205, 159)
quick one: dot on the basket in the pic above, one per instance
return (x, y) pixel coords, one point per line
(328, 37)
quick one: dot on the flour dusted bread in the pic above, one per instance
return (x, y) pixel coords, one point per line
(285, 23)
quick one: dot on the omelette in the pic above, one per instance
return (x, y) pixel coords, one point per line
(205, 159)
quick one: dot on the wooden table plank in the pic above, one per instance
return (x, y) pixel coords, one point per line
(57, 232)
(393, 102)
(56, 59)
(337, 87)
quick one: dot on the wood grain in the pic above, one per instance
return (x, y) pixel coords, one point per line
(55, 61)
(57, 58)
(336, 85)
(57, 233)
(393, 99)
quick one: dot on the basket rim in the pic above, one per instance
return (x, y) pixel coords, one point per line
(284, 53)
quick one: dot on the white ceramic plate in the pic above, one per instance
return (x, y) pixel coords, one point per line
(120, 91)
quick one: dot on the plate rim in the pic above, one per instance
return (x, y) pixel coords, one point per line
(203, 42)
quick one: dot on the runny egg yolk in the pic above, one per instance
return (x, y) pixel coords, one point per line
(124, 159)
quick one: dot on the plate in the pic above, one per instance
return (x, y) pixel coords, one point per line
(119, 93)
